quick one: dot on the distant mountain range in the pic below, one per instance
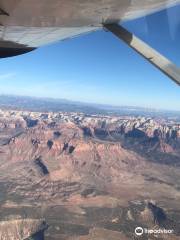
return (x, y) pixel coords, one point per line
(56, 105)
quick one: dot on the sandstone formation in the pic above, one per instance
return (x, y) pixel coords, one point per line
(88, 176)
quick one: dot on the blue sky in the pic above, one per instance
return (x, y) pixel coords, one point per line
(99, 68)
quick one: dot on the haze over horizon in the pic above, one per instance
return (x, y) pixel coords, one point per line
(97, 68)
(19, 101)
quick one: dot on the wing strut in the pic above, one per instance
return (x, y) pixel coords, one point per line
(150, 54)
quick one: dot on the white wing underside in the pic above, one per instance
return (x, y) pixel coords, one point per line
(35, 23)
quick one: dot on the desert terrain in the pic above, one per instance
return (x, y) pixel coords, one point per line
(77, 176)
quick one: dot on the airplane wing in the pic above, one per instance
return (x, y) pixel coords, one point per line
(28, 24)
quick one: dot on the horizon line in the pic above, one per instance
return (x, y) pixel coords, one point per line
(92, 103)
